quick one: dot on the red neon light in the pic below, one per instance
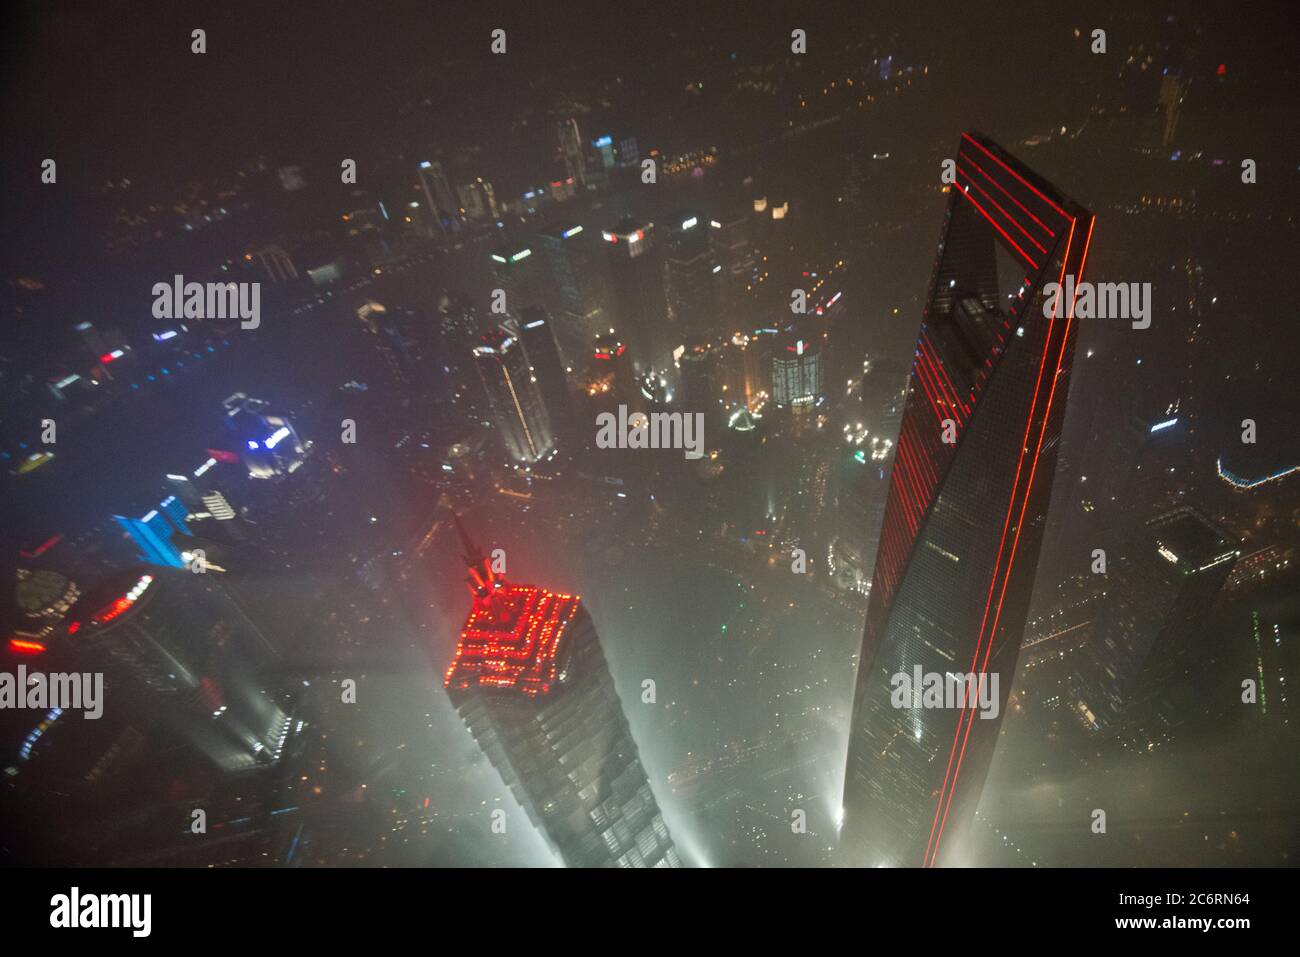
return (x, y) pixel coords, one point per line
(993, 223)
(964, 718)
(107, 357)
(937, 823)
(511, 640)
(1015, 222)
(933, 365)
(925, 386)
(113, 610)
(109, 612)
(934, 358)
(24, 647)
(1050, 232)
(42, 548)
(1020, 179)
(74, 628)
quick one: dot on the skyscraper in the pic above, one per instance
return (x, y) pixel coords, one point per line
(638, 291)
(519, 272)
(575, 162)
(537, 335)
(733, 256)
(1139, 675)
(266, 442)
(698, 369)
(176, 649)
(579, 289)
(439, 196)
(797, 371)
(458, 333)
(689, 285)
(967, 499)
(532, 685)
(516, 401)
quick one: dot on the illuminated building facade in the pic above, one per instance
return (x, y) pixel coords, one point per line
(532, 685)
(797, 372)
(968, 495)
(516, 400)
(266, 442)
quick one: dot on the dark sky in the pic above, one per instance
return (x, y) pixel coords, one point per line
(112, 86)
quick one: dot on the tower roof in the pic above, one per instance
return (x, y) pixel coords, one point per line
(511, 641)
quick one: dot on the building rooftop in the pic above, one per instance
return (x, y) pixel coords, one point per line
(511, 640)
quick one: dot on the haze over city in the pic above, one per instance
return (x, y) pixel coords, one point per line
(591, 435)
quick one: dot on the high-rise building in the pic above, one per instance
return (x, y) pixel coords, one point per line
(152, 534)
(266, 441)
(733, 257)
(747, 369)
(1139, 674)
(396, 342)
(458, 334)
(277, 263)
(176, 649)
(518, 271)
(1173, 90)
(199, 493)
(532, 685)
(689, 283)
(797, 371)
(605, 148)
(638, 307)
(698, 372)
(438, 194)
(968, 495)
(478, 199)
(537, 335)
(578, 286)
(516, 401)
(575, 160)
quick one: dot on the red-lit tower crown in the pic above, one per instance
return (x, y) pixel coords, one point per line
(512, 638)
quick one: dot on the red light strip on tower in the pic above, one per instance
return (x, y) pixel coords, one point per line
(1020, 179)
(992, 222)
(1015, 222)
(1047, 229)
(1024, 445)
(1065, 339)
(941, 376)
